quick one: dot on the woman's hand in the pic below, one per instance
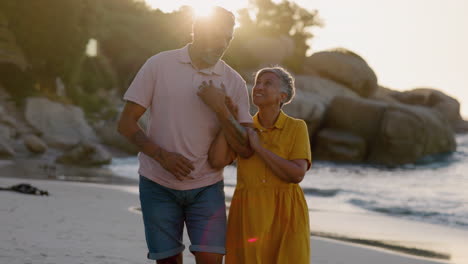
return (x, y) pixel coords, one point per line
(254, 140)
(214, 97)
(292, 171)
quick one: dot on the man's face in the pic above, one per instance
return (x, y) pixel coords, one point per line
(213, 41)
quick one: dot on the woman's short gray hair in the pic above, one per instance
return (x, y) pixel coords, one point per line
(286, 78)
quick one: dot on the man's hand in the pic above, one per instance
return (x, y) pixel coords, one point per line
(213, 96)
(176, 164)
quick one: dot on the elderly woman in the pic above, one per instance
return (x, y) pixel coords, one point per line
(268, 218)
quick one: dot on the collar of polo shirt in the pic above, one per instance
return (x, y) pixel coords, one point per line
(184, 57)
(278, 124)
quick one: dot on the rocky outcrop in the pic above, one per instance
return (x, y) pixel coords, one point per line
(344, 67)
(448, 106)
(6, 132)
(86, 154)
(6, 150)
(61, 125)
(357, 116)
(73, 141)
(339, 146)
(107, 132)
(384, 94)
(363, 130)
(34, 144)
(313, 94)
(408, 133)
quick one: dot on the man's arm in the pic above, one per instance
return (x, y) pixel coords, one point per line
(235, 133)
(220, 154)
(128, 126)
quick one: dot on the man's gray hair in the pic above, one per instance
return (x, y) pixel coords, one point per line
(287, 81)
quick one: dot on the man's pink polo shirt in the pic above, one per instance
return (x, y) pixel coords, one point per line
(179, 120)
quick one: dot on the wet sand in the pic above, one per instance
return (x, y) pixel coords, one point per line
(98, 223)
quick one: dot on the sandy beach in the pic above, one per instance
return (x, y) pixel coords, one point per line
(98, 223)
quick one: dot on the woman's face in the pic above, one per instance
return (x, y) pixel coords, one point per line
(267, 90)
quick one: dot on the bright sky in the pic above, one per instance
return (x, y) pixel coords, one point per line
(408, 43)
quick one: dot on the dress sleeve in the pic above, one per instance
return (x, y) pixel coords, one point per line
(142, 87)
(301, 145)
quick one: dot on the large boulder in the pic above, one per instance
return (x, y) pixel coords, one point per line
(409, 133)
(448, 106)
(384, 94)
(357, 129)
(344, 67)
(8, 125)
(461, 126)
(13, 117)
(34, 144)
(309, 107)
(86, 154)
(340, 146)
(357, 116)
(107, 132)
(6, 131)
(6, 150)
(61, 125)
(313, 94)
(323, 87)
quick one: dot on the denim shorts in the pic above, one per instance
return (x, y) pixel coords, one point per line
(165, 210)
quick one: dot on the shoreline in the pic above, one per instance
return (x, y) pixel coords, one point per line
(320, 217)
(375, 244)
(386, 245)
(93, 223)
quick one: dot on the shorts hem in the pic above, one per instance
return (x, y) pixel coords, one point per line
(165, 254)
(210, 249)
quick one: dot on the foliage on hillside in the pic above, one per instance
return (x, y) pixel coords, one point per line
(53, 35)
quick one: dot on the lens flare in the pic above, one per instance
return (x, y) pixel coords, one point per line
(203, 9)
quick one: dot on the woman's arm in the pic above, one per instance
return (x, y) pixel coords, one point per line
(289, 170)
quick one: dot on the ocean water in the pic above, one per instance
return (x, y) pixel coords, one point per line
(434, 190)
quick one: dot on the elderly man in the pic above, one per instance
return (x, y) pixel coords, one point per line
(177, 184)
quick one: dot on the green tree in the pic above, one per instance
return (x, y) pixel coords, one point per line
(53, 35)
(14, 70)
(267, 18)
(129, 32)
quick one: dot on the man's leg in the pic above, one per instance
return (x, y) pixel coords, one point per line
(208, 258)
(163, 217)
(206, 223)
(171, 260)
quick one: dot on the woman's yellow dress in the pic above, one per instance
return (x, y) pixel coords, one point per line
(268, 218)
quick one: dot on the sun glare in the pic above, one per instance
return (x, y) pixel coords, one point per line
(203, 9)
